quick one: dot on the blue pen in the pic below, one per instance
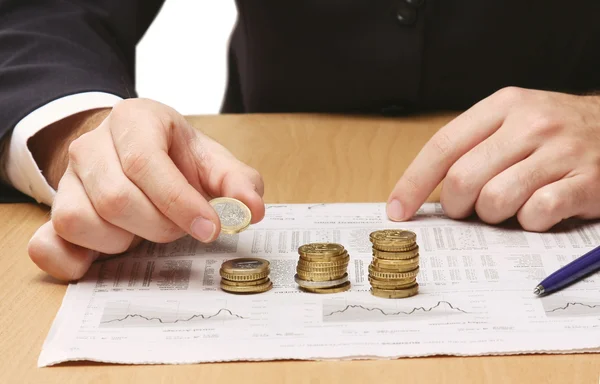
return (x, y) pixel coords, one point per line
(570, 273)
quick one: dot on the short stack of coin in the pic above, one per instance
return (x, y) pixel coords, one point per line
(246, 275)
(322, 268)
(395, 265)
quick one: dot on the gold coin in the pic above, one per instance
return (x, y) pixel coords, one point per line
(244, 283)
(337, 289)
(395, 294)
(384, 262)
(235, 216)
(313, 276)
(248, 289)
(238, 277)
(382, 275)
(404, 267)
(393, 237)
(321, 249)
(331, 270)
(324, 258)
(334, 262)
(393, 248)
(409, 254)
(392, 284)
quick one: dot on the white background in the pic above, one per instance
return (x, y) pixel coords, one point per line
(182, 59)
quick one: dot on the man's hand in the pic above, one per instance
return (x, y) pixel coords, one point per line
(528, 153)
(143, 173)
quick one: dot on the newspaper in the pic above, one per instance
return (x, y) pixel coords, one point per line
(162, 303)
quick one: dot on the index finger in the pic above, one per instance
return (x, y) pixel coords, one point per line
(432, 163)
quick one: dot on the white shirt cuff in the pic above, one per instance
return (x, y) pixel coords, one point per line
(21, 169)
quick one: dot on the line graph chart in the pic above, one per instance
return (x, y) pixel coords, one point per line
(562, 306)
(339, 311)
(125, 314)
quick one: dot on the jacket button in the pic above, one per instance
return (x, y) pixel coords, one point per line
(415, 3)
(406, 16)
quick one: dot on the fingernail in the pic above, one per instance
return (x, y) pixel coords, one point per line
(395, 211)
(203, 229)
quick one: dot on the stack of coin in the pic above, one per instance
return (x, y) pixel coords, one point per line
(395, 265)
(322, 268)
(245, 275)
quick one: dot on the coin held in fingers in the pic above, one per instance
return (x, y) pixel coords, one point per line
(235, 216)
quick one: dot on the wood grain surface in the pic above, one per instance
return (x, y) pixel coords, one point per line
(303, 158)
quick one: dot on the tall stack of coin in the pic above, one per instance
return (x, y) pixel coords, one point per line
(246, 275)
(395, 265)
(322, 268)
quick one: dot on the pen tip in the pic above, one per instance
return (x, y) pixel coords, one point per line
(538, 290)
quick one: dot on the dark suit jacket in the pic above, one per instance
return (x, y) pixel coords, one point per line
(363, 56)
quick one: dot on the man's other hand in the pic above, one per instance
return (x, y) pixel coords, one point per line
(533, 154)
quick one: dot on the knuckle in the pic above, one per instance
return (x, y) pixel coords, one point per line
(129, 110)
(67, 221)
(112, 201)
(135, 163)
(76, 148)
(547, 204)
(510, 95)
(494, 199)
(542, 122)
(458, 180)
(124, 108)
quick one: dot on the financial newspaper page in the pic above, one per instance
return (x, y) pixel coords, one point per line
(162, 303)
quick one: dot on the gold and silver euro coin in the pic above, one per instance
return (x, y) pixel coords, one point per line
(245, 269)
(234, 215)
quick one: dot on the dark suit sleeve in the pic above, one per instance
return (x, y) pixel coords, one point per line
(54, 48)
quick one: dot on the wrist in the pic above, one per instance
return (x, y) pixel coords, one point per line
(50, 145)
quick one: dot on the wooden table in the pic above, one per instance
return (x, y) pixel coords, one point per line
(346, 160)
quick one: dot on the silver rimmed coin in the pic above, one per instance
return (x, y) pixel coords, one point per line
(235, 216)
(320, 284)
